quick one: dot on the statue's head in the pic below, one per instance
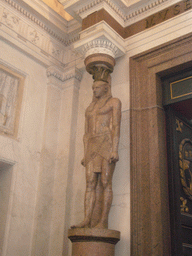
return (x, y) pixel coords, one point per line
(101, 89)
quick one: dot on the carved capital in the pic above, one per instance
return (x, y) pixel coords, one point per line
(54, 72)
(100, 58)
(102, 46)
(66, 78)
(100, 72)
(100, 66)
(100, 39)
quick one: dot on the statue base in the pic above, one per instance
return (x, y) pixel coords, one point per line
(93, 241)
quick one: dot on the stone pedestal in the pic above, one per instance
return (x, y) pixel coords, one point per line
(93, 242)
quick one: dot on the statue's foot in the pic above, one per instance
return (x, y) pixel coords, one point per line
(102, 225)
(83, 224)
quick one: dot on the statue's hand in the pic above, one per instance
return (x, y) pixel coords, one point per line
(114, 157)
(83, 161)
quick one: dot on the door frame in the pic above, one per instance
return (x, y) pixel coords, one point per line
(150, 225)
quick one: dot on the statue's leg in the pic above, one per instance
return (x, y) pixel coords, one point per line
(96, 215)
(90, 194)
(106, 180)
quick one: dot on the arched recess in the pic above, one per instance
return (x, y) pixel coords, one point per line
(150, 228)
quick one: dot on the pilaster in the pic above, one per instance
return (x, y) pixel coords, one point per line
(69, 82)
(56, 160)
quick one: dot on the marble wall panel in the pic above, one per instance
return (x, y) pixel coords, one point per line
(11, 92)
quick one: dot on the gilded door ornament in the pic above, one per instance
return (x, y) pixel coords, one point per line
(184, 207)
(179, 125)
(185, 165)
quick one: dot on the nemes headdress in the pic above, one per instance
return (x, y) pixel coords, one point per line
(100, 73)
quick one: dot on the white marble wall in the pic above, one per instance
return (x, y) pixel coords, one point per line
(42, 155)
(24, 151)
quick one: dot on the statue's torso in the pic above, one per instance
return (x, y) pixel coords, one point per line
(99, 118)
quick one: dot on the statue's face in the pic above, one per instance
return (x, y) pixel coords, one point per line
(99, 89)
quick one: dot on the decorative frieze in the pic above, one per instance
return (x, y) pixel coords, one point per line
(10, 20)
(36, 21)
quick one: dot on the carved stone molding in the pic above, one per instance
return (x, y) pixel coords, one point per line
(123, 11)
(100, 39)
(33, 35)
(99, 55)
(100, 46)
(54, 72)
(30, 16)
(6, 163)
(100, 66)
(103, 46)
(62, 78)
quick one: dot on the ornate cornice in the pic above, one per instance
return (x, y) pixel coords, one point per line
(144, 9)
(47, 44)
(124, 13)
(72, 39)
(113, 6)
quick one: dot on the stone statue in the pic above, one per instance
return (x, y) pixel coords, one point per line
(101, 139)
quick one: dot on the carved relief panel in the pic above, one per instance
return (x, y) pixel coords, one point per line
(11, 90)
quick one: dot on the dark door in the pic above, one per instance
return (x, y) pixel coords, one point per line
(178, 106)
(179, 146)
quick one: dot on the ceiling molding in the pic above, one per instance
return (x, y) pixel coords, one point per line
(53, 30)
(122, 12)
(22, 28)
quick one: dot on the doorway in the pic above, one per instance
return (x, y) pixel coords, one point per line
(150, 220)
(6, 170)
(179, 158)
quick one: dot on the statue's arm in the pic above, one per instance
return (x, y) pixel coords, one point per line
(116, 121)
(85, 140)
